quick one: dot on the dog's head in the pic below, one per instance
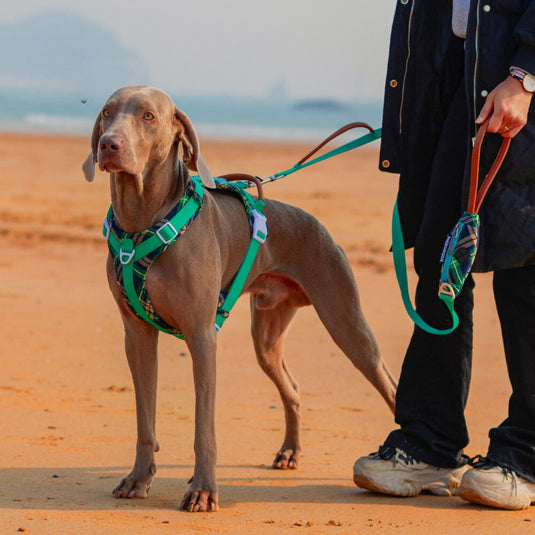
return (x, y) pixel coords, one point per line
(136, 129)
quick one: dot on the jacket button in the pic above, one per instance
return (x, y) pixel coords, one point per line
(486, 8)
(484, 93)
(404, 2)
(393, 83)
(385, 164)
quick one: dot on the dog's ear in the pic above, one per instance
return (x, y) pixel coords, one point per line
(88, 167)
(192, 157)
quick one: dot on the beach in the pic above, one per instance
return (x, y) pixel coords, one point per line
(67, 421)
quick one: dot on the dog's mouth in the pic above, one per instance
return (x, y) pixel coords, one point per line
(113, 164)
(110, 168)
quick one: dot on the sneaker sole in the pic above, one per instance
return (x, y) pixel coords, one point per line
(471, 495)
(447, 486)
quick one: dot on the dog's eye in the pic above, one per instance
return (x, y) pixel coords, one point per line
(106, 113)
(148, 116)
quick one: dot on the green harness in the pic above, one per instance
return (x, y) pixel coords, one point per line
(134, 253)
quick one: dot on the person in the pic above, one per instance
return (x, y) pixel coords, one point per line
(452, 66)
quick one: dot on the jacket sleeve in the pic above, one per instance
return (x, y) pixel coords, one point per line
(525, 36)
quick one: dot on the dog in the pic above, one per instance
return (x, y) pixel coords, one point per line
(136, 138)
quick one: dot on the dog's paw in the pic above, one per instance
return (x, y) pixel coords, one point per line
(287, 459)
(199, 501)
(131, 487)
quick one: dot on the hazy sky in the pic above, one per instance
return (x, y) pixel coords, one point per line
(336, 48)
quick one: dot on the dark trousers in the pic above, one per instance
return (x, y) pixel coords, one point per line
(435, 375)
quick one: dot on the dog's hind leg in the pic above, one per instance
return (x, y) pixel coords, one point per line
(268, 328)
(334, 295)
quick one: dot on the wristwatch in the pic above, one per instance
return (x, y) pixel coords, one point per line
(528, 80)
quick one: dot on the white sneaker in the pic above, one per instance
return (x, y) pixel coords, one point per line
(496, 486)
(392, 471)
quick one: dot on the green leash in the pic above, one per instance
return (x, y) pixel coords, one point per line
(398, 244)
(359, 142)
(398, 250)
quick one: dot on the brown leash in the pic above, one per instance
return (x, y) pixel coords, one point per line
(476, 196)
(339, 132)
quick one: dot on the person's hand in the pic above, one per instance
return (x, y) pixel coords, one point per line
(507, 106)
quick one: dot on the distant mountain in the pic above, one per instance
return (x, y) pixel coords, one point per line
(63, 52)
(321, 105)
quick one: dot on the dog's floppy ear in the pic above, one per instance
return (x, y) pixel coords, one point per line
(192, 157)
(88, 167)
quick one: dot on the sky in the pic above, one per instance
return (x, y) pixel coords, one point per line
(246, 48)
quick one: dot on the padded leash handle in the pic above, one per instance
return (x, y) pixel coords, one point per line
(476, 196)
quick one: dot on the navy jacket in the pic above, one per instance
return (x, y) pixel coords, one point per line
(426, 64)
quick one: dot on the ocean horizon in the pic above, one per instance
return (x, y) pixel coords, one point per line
(214, 117)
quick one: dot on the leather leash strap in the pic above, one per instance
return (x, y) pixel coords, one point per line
(334, 135)
(476, 196)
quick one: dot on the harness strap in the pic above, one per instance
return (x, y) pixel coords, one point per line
(164, 235)
(128, 281)
(259, 234)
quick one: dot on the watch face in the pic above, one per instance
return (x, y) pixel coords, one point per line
(529, 83)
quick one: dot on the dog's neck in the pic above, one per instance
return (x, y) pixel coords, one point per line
(139, 201)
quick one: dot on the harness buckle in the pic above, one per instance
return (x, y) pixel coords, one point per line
(167, 232)
(260, 230)
(106, 229)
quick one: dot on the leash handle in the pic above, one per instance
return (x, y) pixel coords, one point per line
(334, 135)
(476, 196)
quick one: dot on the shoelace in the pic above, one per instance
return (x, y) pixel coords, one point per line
(389, 453)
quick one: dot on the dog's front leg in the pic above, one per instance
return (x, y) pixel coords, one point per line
(202, 493)
(141, 351)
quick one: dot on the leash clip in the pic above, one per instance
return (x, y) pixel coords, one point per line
(445, 291)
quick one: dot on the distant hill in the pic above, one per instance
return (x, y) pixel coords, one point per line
(63, 52)
(321, 105)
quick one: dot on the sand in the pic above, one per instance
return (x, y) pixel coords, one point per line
(67, 420)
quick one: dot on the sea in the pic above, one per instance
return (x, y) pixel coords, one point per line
(214, 117)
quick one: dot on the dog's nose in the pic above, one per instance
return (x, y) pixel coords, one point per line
(111, 143)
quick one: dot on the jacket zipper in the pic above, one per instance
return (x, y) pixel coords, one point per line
(476, 50)
(406, 68)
